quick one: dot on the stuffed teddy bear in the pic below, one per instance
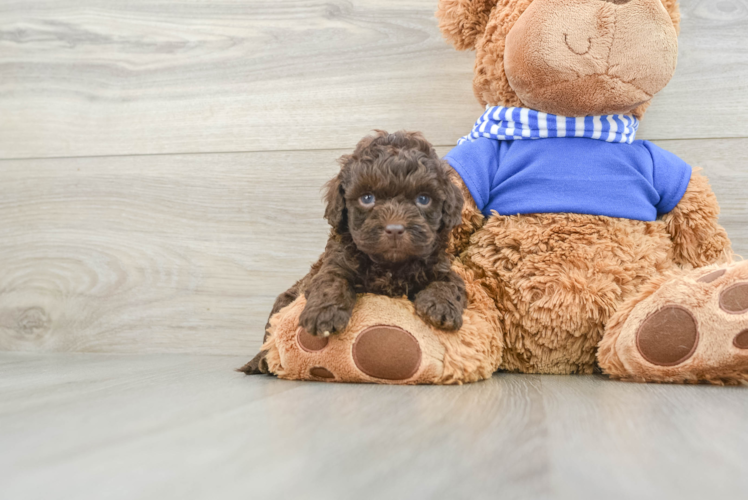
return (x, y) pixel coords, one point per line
(581, 248)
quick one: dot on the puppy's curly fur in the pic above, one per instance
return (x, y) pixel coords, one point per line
(392, 207)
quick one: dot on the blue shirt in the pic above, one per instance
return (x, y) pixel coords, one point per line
(574, 175)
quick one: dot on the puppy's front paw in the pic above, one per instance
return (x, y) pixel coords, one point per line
(440, 308)
(324, 320)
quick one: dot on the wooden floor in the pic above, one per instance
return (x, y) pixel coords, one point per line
(160, 173)
(182, 426)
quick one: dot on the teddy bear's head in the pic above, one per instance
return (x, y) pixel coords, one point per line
(566, 57)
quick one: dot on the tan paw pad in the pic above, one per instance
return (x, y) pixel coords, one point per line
(387, 352)
(734, 299)
(713, 276)
(741, 341)
(668, 337)
(309, 342)
(320, 372)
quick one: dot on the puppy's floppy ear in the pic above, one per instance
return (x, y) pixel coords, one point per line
(462, 22)
(452, 207)
(335, 211)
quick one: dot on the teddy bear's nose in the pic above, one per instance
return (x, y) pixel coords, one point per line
(617, 2)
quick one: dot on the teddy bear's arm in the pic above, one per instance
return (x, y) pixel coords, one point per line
(472, 218)
(698, 239)
(463, 21)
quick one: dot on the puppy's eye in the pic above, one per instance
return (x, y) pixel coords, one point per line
(423, 200)
(367, 200)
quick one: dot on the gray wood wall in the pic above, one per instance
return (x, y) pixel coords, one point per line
(160, 161)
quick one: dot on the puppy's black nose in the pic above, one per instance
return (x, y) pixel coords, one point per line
(394, 229)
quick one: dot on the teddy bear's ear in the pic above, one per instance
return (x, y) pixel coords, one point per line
(462, 22)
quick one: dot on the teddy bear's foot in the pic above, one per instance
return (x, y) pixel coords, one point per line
(688, 329)
(386, 343)
(382, 352)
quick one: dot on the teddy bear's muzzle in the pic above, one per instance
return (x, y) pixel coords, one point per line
(590, 57)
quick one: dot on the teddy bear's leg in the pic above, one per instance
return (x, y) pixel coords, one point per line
(386, 342)
(556, 280)
(379, 345)
(688, 327)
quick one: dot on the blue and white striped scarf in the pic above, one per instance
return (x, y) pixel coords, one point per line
(508, 124)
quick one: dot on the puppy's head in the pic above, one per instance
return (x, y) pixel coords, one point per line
(394, 197)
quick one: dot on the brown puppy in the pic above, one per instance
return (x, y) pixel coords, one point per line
(391, 208)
